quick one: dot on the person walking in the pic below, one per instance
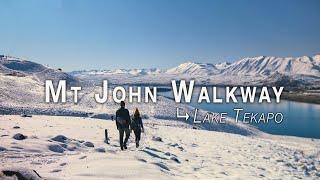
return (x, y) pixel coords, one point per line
(137, 126)
(123, 123)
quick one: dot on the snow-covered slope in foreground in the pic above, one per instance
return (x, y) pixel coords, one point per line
(181, 153)
(24, 95)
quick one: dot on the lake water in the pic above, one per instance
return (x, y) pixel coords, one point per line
(299, 119)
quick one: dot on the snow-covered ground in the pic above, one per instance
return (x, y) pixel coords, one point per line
(204, 151)
(24, 95)
(180, 153)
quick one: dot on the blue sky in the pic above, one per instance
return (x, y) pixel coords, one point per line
(109, 34)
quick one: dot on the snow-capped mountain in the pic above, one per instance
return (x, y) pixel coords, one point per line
(316, 59)
(194, 69)
(249, 71)
(135, 72)
(267, 65)
(261, 70)
(222, 66)
(262, 66)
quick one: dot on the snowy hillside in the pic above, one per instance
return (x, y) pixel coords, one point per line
(26, 95)
(266, 65)
(22, 68)
(57, 147)
(222, 66)
(316, 60)
(197, 69)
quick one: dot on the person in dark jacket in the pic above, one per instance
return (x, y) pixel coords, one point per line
(123, 123)
(137, 126)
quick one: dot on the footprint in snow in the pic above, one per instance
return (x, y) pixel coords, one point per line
(2, 148)
(261, 168)
(261, 175)
(36, 163)
(175, 159)
(16, 147)
(153, 154)
(280, 160)
(83, 157)
(177, 146)
(162, 166)
(88, 144)
(56, 170)
(224, 173)
(142, 160)
(194, 145)
(153, 149)
(112, 151)
(158, 139)
(100, 149)
(63, 164)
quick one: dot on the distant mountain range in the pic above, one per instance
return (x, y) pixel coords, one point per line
(251, 66)
(263, 70)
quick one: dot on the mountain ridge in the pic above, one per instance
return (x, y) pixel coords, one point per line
(259, 65)
(302, 71)
(12, 66)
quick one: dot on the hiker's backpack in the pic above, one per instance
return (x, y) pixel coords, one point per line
(134, 124)
(121, 121)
